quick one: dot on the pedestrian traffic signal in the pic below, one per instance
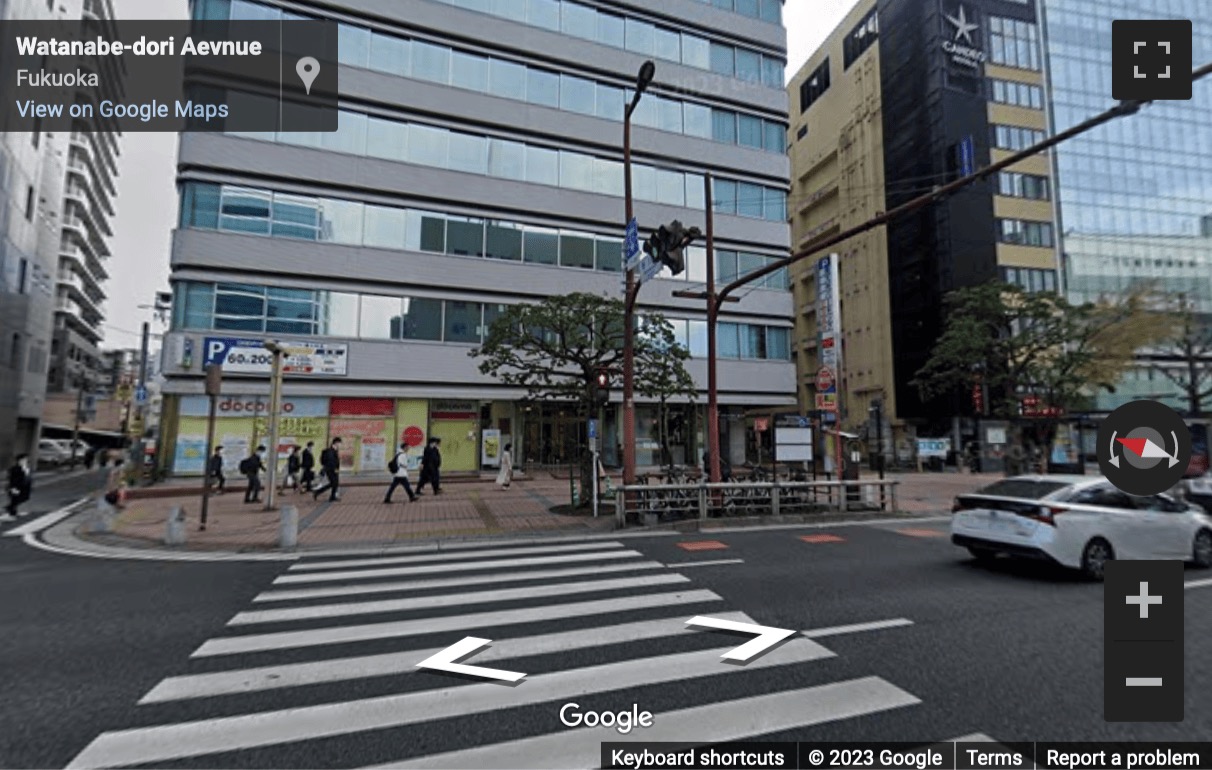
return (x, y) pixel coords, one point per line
(667, 245)
(601, 387)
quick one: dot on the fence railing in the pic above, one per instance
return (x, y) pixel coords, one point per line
(660, 503)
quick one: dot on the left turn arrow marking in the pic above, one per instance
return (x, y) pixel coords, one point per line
(445, 661)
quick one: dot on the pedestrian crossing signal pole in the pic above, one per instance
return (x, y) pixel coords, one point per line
(214, 384)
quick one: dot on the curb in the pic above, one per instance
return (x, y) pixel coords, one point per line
(62, 538)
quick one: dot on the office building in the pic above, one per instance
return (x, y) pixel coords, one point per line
(478, 164)
(1135, 195)
(902, 97)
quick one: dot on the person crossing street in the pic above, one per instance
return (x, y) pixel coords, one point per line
(398, 467)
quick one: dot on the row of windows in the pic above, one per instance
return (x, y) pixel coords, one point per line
(1016, 137)
(305, 312)
(766, 10)
(283, 215)
(1024, 232)
(864, 34)
(1014, 43)
(814, 86)
(1017, 94)
(426, 145)
(638, 36)
(1023, 185)
(507, 79)
(1030, 279)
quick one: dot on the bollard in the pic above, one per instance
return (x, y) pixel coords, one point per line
(288, 528)
(175, 530)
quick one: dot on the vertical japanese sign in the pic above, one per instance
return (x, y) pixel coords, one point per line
(829, 332)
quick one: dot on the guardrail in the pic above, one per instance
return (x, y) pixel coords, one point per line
(660, 503)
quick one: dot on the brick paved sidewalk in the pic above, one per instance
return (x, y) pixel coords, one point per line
(469, 509)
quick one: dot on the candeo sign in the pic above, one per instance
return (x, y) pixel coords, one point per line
(962, 46)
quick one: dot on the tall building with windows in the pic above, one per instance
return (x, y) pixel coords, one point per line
(478, 164)
(905, 96)
(1136, 194)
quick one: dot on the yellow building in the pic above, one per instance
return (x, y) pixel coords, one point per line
(881, 113)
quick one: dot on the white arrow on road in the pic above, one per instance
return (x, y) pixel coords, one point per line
(445, 661)
(767, 636)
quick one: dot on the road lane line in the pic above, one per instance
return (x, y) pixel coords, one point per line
(709, 563)
(148, 745)
(46, 520)
(347, 609)
(234, 645)
(725, 721)
(471, 580)
(854, 628)
(434, 569)
(383, 561)
(1204, 583)
(395, 663)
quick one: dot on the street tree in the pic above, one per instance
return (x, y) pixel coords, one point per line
(555, 349)
(1035, 345)
(665, 379)
(1184, 354)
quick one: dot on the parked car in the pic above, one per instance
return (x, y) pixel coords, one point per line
(1199, 491)
(52, 453)
(1080, 522)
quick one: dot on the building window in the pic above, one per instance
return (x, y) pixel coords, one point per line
(1030, 279)
(1014, 43)
(1015, 137)
(1017, 94)
(864, 34)
(814, 86)
(1018, 185)
(29, 203)
(1024, 232)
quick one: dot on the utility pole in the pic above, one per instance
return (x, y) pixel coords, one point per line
(138, 459)
(214, 384)
(275, 406)
(713, 395)
(79, 418)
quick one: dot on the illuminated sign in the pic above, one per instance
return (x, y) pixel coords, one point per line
(964, 53)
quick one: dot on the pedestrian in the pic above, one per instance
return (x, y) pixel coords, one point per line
(330, 467)
(308, 466)
(505, 475)
(20, 484)
(293, 463)
(251, 467)
(90, 456)
(115, 486)
(398, 467)
(215, 469)
(431, 467)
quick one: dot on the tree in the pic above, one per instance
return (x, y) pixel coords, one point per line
(1023, 344)
(1188, 343)
(555, 349)
(665, 378)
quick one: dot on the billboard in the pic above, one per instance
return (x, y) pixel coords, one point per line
(829, 333)
(248, 356)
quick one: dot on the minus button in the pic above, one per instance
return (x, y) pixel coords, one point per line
(1144, 681)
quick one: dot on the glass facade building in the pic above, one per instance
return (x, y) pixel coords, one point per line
(1135, 195)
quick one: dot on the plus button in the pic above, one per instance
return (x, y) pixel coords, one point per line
(1144, 600)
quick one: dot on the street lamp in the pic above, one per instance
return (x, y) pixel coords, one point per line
(643, 78)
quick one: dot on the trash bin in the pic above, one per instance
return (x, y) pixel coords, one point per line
(850, 472)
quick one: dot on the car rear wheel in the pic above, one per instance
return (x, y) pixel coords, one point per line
(1095, 556)
(1201, 553)
(982, 554)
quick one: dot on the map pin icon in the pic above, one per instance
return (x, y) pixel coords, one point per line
(308, 69)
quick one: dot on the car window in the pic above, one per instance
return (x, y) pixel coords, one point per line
(1027, 489)
(1105, 497)
(1162, 503)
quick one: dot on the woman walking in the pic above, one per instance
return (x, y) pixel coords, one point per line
(505, 475)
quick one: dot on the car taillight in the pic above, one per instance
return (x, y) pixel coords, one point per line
(1047, 514)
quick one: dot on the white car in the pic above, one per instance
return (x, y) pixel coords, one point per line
(1081, 522)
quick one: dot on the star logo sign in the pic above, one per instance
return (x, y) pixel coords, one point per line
(963, 27)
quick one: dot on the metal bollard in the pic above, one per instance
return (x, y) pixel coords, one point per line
(175, 530)
(288, 528)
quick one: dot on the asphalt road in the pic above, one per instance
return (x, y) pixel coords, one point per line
(314, 665)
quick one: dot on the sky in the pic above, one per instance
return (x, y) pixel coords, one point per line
(147, 196)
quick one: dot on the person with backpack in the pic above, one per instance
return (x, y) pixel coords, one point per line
(398, 468)
(431, 464)
(251, 467)
(308, 466)
(215, 469)
(330, 467)
(293, 464)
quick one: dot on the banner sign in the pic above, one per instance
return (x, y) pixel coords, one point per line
(829, 336)
(933, 447)
(252, 406)
(248, 356)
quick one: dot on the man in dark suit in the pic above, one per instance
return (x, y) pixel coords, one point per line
(431, 467)
(20, 483)
(308, 466)
(330, 466)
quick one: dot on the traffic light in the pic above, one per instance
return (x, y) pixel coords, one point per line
(667, 245)
(601, 387)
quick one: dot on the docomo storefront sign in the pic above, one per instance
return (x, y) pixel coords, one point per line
(253, 406)
(249, 356)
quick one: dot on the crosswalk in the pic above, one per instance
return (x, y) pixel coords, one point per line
(325, 660)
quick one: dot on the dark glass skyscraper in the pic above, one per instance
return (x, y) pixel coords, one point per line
(1136, 194)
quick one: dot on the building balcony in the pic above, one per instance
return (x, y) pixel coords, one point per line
(81, 178)
(80, 285)
(92, 141)
(83, 261)
(77, 302)
(86, 235)
(79, 207)
(83, 152)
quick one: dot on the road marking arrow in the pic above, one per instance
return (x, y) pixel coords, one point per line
(767, 636)
(445, 661)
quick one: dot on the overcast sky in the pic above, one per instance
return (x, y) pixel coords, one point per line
(147, 197)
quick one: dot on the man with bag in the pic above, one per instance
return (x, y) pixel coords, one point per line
(330, 467)
(431, 467)
(251, 467)
(398, 468)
